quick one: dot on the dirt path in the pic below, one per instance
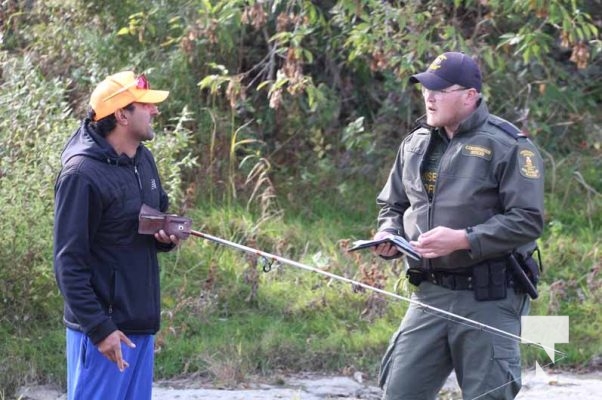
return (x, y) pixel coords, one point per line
(560, 386)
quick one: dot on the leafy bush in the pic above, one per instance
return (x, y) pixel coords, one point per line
(33, 128)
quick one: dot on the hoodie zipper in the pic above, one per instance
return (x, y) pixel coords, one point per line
(138, 177)
(155, 300)
(139, 182)
(112, 292)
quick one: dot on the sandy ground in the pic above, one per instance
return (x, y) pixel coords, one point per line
(554, 386)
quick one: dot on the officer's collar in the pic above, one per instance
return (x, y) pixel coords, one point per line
(476, 119)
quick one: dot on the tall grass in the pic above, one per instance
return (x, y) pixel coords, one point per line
(227, 319)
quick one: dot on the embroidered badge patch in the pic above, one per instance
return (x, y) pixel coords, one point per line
(477, 151)
(528, 167)
(437, 63)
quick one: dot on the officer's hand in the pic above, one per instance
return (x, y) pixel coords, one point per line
(110, 347)
(440, 241)
(163, 237)
(384, 249)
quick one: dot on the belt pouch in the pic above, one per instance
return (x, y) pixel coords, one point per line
(415, 276)
(489, 279)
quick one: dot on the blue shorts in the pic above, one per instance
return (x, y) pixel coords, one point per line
(92, 376)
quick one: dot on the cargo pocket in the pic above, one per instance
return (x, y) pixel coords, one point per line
(386, 361)
(505, 376)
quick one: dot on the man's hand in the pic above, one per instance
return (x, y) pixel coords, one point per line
(163, 237)
(384, 249)
(441, 241)
(110, 347)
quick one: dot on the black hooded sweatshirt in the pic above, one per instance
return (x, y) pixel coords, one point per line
(107, 273)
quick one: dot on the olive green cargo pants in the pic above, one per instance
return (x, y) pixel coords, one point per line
(428, 345)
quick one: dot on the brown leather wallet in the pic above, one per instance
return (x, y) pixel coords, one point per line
(151, 221)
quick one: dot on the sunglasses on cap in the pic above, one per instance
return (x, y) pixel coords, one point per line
(140, 83)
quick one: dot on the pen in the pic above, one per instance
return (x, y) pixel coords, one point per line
(419, 230)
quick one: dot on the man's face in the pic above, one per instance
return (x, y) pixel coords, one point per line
(140, 120)
(445, 108)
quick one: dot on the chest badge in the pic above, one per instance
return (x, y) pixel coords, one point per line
(474, 150)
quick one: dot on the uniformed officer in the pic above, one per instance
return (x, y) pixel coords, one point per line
(474, 186)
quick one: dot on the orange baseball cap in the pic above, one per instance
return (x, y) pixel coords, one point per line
(121, 89)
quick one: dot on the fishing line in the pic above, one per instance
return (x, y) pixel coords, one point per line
(269, 259)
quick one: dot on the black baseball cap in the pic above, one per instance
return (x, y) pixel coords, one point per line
(451, 68)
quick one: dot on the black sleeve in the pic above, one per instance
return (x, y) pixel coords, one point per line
(77, 214)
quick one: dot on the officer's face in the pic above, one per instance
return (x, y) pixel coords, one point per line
(447, 107)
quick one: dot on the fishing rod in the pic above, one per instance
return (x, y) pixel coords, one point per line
(151, 221)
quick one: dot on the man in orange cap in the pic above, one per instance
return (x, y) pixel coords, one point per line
(107, 273)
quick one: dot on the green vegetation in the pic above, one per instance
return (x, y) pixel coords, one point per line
(279, 131)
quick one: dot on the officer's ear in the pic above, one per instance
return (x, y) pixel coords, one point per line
(473, 92)
(472, 96)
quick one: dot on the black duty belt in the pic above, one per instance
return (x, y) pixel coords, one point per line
(449, 280)
(453, 281)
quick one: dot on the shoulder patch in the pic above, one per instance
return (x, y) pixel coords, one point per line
(528, 164)
(506, 127)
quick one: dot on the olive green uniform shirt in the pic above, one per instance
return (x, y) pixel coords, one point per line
(489, 180)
